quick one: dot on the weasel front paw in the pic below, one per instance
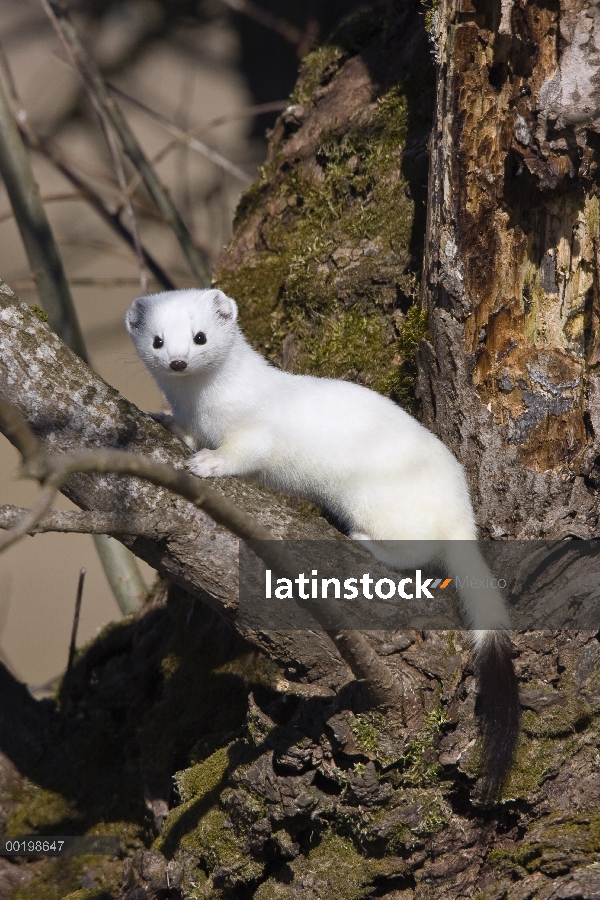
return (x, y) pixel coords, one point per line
(208, 464)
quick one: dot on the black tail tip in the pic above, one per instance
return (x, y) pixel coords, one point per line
(498, 709)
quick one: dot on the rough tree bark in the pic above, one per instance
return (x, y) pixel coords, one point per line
(510, 378)
(319, 796)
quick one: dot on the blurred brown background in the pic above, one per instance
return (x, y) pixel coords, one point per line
(197, 64)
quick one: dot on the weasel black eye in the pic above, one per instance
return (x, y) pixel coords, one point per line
(157, 342)
(200, 338)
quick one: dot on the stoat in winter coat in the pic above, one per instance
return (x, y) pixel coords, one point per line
(350, 450)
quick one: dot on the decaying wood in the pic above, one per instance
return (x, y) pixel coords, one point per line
(510, 379)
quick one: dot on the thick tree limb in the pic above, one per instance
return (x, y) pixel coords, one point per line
(52, 470)
(72, 411)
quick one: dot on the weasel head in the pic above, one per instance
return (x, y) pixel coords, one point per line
(179, 333)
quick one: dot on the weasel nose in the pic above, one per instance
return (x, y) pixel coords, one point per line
(178, 365)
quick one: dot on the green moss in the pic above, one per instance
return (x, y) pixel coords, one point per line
(90, 894)
(431, 8)
(551, 846)
(59, 879)
(536, 760)
(559, 719)
(40, 313)
(221, 676)
(314, 71)
(404, 378)
(349, 346)
(340, 242)
(436, 814)
(197, 781)
(179, 699)
(336, 868)
(367, 730)
(420, 766)
(40, 811)
(377, 736)
(170, 665)
(213, 843)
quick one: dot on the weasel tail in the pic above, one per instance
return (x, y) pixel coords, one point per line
(497, 706)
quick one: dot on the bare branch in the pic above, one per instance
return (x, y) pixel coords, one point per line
(14, 427)
(47, 198)
(29, 520)
(125, 579)
(59, 161)
(275, 106)
(92, 522)
(42, 252)
(282, 27)
(29, 285)
(89, 74)
(122, 180)
(188, 138)
(115, 155)
(46, 265)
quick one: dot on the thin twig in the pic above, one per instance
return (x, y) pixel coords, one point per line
(8, 75)
(47, 198)
(115, 155)
(48, 270)
(275, 106)
(187, 137)
(66, 685)
(89, 74)
(282, 27)
(86, 282)
(73, 644)
(32, 516)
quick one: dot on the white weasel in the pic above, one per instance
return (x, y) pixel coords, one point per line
(347, 448)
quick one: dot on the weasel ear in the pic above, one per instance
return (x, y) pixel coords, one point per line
(224, 306)
(134, 317)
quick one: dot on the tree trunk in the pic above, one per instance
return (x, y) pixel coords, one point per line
(510, 379)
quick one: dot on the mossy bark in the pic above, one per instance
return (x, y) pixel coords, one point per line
(328, 243)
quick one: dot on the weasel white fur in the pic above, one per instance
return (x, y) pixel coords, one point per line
(347, 448)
